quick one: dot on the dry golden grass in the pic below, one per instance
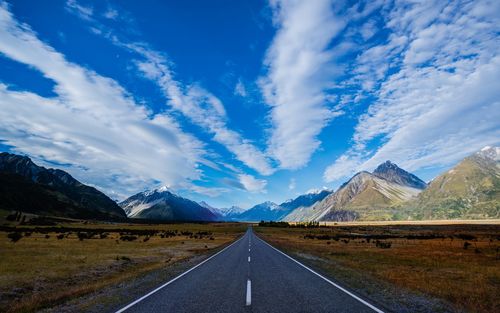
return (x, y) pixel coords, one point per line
(38, 272)
(469, 279)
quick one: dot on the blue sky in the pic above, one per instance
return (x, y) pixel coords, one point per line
(238, 102)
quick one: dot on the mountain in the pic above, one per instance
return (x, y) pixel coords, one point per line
(470, 190)
(215, 211)
(392, 173)
(30, 188)
(267, 211)
(231, 211)
(163, 204)
(370, 196)
(224, 214)
(304, 206)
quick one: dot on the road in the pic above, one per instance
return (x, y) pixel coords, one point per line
(250, 276)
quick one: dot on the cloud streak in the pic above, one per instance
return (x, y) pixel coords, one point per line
(299, 67)
(441, 102)
(93, 124)
(196, 103)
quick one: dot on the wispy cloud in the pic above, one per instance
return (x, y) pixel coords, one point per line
(203, 109)
(240, 89)
(440, 102)
(292, 184)
(93, 124)
(82, 11)
(193, 101)
(299, 68)
(253, 184)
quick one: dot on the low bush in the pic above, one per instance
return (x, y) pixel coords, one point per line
(15, 236)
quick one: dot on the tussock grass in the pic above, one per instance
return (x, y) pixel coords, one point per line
(57, 263)
(425, 259)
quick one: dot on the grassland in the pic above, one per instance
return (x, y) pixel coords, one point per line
(404, 268)
(50, 264)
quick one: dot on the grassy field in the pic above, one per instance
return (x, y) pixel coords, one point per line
(41, 266)
(458, 265)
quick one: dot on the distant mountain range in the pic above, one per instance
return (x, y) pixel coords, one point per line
(27, 187)
(470, 190)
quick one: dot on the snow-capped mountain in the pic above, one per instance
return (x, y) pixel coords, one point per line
(267, 211)
(224, 214)
(231, 211)
(163, 204)
(488, 152)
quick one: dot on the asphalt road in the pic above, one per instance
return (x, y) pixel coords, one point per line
(250, 276)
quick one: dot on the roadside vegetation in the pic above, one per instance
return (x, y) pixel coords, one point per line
(406, 268)
(45, 262)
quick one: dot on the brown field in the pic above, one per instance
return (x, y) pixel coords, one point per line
(456, 267)
(50, 264)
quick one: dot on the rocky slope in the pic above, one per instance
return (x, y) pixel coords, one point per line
(369, 196)
(469, 190)
(304, 206)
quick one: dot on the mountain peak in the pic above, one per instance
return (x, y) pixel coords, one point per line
(393, 173)
(160, 190)
(386, 166)
(489, 152)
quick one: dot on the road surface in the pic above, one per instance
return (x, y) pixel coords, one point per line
(250, 276)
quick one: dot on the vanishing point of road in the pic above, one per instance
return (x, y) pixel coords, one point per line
(250, 276)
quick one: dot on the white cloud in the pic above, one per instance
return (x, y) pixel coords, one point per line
(111, 13)
(84, 12)
(252, 184)
(193, 101)
(299, 69)
(368, 30)
(292, 184)
(202, 108)
(443, 102)
(93, 124)
(240, 89)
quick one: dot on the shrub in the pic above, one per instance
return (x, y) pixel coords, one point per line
(47, 236)
(60, 236)
(383, 244)
(15, 236)
(128, 238)
(466, 245)
(273, 224)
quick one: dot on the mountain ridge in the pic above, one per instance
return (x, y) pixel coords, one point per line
(53, 191)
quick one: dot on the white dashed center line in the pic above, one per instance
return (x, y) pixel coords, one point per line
(249, 292)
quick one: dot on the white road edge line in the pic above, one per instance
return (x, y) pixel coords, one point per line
(174, 279)
(249, 293)
(248, 259)
(326, 279)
